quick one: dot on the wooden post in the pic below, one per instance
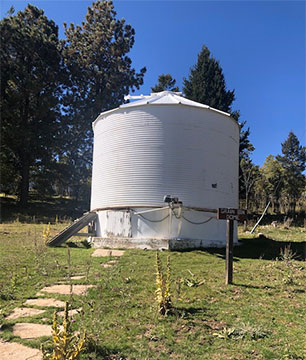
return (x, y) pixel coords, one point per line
(229, 252)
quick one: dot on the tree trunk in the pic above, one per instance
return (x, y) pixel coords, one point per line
(24, 183)
(245, 223)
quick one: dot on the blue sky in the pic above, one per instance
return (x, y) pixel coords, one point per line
(260, 46)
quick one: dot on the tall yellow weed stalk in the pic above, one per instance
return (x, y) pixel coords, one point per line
(163, 284)
(66, 345)
(46, 233)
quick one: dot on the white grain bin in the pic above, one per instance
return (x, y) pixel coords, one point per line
(163, 145)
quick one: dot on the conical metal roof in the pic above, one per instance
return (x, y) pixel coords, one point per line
(165, 98)
(160, 98)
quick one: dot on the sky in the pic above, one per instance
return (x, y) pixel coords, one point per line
(260, 46)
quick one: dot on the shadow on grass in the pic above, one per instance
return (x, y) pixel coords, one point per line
(263, 287)
(189, 312)
(96, 351)
(263, 248)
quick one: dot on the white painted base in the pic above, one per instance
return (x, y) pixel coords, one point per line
(162, 229)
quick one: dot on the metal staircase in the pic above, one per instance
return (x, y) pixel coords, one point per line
(72, 229)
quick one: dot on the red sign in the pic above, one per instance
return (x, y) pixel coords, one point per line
(231, 214)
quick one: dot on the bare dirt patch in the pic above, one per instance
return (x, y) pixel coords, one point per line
(14, 351)
(23, 312)
(45, 302)
(31, 331)
(107, 252)
(65, 289)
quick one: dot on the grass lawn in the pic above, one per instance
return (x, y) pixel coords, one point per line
(261, 316)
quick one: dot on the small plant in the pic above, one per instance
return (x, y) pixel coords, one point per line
(46, 233)
(193, 281)
(287, 223)
(163, 283)
(244, 331)
(66, 345)
(286, 254)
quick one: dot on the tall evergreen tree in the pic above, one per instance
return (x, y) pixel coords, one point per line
(206, 83)
(31, 79)
(293, 163)
(165, 82)
(101, 74)
(294, 155)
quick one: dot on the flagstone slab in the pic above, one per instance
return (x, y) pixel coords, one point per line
(77, 277)
(23, 312)
(65, 289)
(107, 265)
(112, 262)
(70, 312)
(107, 252)
(31, 331)
(45, 302)
(15, 351)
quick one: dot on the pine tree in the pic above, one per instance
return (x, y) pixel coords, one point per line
(165, 82)
(31, 79)
(293, 163)
(101, 74)
(206, 83)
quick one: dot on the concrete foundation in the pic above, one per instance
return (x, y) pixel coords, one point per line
(153, 244)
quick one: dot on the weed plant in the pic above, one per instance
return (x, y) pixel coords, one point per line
(66, 344)
(163, 285)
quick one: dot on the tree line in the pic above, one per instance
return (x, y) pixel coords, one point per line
(52, 90)
(280, 181)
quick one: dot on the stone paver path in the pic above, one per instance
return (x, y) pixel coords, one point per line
(31, 331)
(23, 312)
(45, 302)
(107, 252)
(14, 351)
(65, 289)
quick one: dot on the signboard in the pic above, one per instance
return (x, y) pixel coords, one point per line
(231, 214)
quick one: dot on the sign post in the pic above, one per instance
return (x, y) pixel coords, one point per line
(230, 215)
(229, 252)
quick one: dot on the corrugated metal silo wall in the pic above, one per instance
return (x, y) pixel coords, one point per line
(146, 152)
